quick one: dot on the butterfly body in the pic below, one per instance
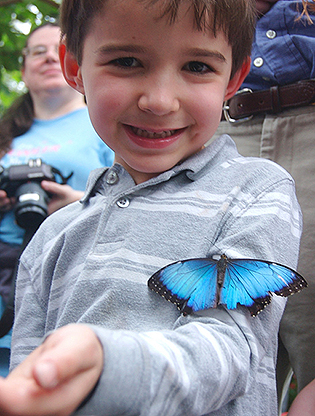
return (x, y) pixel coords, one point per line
(197, 284)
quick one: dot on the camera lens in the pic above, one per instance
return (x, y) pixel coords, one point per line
(31, 205)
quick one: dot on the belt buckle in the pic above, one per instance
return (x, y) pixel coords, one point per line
(226, 109)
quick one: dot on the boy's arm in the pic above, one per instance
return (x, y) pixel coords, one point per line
(205, 363)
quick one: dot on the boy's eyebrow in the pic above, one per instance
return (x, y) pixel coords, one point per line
(206, 53)
(195, 52)
(103, 50)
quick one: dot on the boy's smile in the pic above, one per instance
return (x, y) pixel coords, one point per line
(154, 89)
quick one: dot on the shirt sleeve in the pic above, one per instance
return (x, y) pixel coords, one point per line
(205, 363)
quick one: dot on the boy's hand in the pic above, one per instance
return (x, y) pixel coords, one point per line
(62, 195)
(263, 6)
(56, 377)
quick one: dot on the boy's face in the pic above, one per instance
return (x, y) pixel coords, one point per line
(154, 90)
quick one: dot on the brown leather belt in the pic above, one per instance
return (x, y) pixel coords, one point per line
(246, 103)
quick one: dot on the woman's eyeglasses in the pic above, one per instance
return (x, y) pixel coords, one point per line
(39, 51)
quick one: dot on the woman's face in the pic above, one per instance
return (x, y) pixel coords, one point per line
(42, 71)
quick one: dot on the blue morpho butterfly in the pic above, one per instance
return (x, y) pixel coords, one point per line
(197, 284)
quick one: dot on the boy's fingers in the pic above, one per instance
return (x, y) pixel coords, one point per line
(68, 352)
(54, 378)
(21, 396)
(46, 374)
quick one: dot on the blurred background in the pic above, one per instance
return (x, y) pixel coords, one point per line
(17, 19)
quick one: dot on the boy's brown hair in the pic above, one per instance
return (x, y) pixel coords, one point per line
(236, 18)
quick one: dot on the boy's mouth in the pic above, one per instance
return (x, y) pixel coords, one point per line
(153, 138)
(152, 134)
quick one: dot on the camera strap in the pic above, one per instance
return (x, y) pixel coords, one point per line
(64, 179)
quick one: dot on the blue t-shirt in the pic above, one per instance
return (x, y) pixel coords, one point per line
(68, 143)
(283, 48)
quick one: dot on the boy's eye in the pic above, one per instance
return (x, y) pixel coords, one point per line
(198, 67)
(127, 62)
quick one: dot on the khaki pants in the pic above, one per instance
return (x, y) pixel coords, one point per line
(289, 139)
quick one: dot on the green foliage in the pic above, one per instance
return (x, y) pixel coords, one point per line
(292, 390)
(17, 19)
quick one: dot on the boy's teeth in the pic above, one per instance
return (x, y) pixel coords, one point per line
(153, 135)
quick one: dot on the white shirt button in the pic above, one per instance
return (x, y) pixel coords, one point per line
(123, 202)
(271, 34)
(258, 62)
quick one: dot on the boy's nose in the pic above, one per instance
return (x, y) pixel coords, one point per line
(159, 99)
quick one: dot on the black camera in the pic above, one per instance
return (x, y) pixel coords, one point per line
(23, 183)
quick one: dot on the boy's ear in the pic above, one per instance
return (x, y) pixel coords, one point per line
(237, 80)
(70, 69)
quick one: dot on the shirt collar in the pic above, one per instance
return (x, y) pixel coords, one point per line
(197, 165)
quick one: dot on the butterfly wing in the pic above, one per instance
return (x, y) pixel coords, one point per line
(193, 284)
(190, 284)
(250, 283)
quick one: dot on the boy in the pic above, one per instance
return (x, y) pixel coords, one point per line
(155, 75)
